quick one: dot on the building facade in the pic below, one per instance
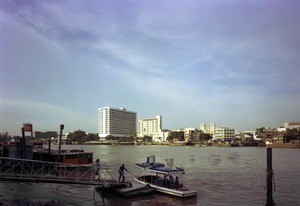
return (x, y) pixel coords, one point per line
(152, 127)
(224, 133)
(210, 130)
(116, 122)
(149, 126)
(292, 125)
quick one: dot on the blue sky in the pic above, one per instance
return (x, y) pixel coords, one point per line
(235, 63)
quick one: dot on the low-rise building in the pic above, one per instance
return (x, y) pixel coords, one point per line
(224, 133)
(292, 125)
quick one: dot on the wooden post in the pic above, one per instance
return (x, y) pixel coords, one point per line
(23, 145)
(270, 201)
(21, 142)
(59, 145)
(49, 149)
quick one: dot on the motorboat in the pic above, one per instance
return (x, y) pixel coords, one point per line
(164, 178)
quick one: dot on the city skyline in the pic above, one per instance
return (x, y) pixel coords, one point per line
(233, 63)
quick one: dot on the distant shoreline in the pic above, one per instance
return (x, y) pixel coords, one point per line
(274, 145)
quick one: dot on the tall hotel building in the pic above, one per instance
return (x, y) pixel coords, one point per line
(117, 122)
(150, 126)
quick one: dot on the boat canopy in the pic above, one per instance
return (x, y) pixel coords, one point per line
(158, 167)
(167, 170)
(148, 165)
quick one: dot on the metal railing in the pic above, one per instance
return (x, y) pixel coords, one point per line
(14, 169)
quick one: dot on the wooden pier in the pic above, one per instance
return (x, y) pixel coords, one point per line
(135, 190)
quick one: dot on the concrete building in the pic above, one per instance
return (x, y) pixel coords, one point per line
(292, 125)
(203, 127)
(191, 134)
(152, 127)
(116, 122)
(224, 133)
(210, 130)
(149, 126)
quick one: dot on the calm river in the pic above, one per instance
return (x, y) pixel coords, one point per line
(222, 176)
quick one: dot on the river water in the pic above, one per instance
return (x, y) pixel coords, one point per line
(221, 175)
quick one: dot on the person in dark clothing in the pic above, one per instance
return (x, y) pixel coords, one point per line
(97, 168)
(171, 180)
(176, 183)
(121, 173)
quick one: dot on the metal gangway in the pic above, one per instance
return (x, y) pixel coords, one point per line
(25, 170)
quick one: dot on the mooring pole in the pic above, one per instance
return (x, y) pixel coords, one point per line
(22, 140)
(59, 145)
(49, 148)
(270, 201)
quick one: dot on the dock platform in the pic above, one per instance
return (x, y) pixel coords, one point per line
(135, 190)
(127, 190)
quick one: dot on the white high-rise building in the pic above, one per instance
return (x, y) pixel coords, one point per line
(224, 133)
(149, 126)
(152, 127)
(116, 122)
(210, 130)
(203, 127)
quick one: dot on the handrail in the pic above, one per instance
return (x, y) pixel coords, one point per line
(36, 170)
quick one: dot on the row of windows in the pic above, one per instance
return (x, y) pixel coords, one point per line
(76, 156)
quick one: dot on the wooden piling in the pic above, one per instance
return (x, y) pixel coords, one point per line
(59, 145)
(23, 152)
(270, 201)
(49, 148)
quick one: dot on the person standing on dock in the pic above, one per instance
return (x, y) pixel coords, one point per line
(121, 173)
(97, 168)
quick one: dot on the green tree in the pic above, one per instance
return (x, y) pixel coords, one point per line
(77, 136)
(176, 135)
(91, 137)
(204, 137)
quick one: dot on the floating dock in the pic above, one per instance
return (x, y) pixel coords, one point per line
(127, 190)
(135, 190)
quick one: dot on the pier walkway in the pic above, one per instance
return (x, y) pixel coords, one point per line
(24, 170)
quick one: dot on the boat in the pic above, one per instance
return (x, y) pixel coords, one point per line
(73, 157)
(158, 176)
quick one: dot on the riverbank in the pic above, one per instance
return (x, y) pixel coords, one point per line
(218, 144)
(284, 145)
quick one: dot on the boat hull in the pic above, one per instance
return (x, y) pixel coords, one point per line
(175, 192)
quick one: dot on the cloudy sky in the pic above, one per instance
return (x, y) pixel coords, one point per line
(233, 62)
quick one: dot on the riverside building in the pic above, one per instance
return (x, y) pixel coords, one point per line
(116, 122)
(292, 125)
(224, 133)
(152, 127)
(210, 130)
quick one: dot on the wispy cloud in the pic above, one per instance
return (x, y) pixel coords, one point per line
(191, 61)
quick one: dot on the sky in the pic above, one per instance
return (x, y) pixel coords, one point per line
(235, 62)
